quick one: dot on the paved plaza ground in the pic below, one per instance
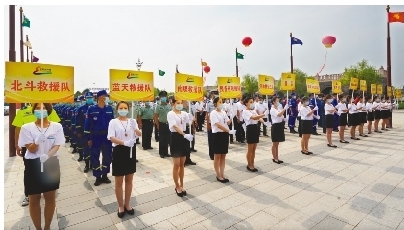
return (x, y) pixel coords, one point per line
(355, 186)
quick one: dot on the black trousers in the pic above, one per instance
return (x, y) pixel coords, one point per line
(23, 151)
(147, 131)
(200, 120)
(264, 128)
(156, 133)
(231, 127)
(238, 126)
(192, 145)
(164, 138)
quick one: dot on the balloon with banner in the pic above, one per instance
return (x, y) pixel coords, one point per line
(288, 81)
(389, 93)
(188, 87)
(313, 86)
(336, 87)
(229, 87)
(266, 85)
(373, 89)
(354, 83)
(363, 86)
(380, 89)
(131, 85)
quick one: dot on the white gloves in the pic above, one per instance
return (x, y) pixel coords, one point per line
(286, 107)
(130, 143)
(285, 119)
(232, 132)
(189, 137)
(318, 117)
(43, 158)
(315, 108)
(132, 123)
(40, 138)
(267, 124)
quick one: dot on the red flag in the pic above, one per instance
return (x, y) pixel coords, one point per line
(396, 17)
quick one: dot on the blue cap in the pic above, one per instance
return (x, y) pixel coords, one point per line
(293, 94)
(81, 98)
(89, 94)
(102, 93)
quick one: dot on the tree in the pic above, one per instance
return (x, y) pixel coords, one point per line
(300, 88)
(86, 90)
(77, 94)
(156, 91)
(363, 71)
(250, 84)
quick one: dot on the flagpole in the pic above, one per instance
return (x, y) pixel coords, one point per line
(388, 57)
(291, 54)
(32, 53)
(12, 58)
(236, 64)
(202, 67)
(21, 37)
(27, 47)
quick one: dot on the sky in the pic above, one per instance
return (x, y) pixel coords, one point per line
(95, 39)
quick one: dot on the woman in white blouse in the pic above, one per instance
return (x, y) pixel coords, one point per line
(123, 132)
(251, 119)
(220, 135)
(329, 111)
(385, 113)
(353, 118)
(42, 139)
(378, 113)
(362, 115)
(343, 116)
(371, 117)
(306, 116)
(179, 143)
(277, 128)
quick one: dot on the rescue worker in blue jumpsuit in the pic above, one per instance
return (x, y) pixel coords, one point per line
(292, 112)
(66, 122)
(74, 115)
(96, 131)
(336, 117)
(74, 126)
(313, 103)
(69, 116)
(80, 120)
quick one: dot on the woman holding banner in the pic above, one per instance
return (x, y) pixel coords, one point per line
(42, 139)
(353, 118)
(362, 115)
(306, 116)
(371, 116)
(342, 119)
(378, 113)
(123, 132)
(277, 128)
(329, 110)
(385, 113)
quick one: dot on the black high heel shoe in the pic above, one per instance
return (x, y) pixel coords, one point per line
(130, 212)
(221, 181)
(178, 194)
(121, 214)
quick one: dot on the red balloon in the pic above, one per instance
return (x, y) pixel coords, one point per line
(247, 41)
(206, 69)
(328, 41)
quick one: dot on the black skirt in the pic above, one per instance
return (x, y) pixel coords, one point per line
(390, 113)
(307, 126)
(353, 119)
(385, 114)
(371, 116)
(179, 146)
(277, 132)
(122, 164)
(362, 118)
(252, 134)
(378, 115)
(220, 142)
(342, 120)
(329, 121)
(37, 182)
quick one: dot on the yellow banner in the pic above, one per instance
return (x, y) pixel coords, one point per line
(363, 86)
(188, 87)
(229, 87)
(379, 89)
(398, 94)
(373, 89)
(288, 81)
(354, 83)
(313, 86)
(266, 85)
(389, 91)
(336, 87)
(38, 83)
(131, 85)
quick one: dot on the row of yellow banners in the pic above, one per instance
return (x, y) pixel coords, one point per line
(44, 83)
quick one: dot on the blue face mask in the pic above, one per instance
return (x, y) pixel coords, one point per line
(179, 107)
(38, 113)
(83, 102)
(90, 101)
(106, 100)
(163, 99)
(123, 112)
(220, 106)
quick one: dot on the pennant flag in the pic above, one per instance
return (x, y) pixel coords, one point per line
(35, 59)
(176, 69)
(396, 17)
(26, 22)
(28, 44)
(161, 73)
(295, 41)
(204, 63)
(239, 55)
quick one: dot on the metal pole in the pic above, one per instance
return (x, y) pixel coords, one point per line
(389, 59)
(291, 54)
(12, 106)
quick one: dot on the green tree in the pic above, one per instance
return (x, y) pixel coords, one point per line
(250, 84)
(86, 90)
(77, 94)
(363, 71)
(156, 91)
(300, 88)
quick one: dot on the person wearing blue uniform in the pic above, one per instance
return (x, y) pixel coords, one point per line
(84, 149)
(313, 103)
(336, 117)
(69, 115)
(292, 112)
(77, 103)
(66, 122)
(96, 132)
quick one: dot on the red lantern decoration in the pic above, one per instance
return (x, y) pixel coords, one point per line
(328, 41)
(206, 69)
(246, 41)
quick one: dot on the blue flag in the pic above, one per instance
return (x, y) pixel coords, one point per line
(295, 41)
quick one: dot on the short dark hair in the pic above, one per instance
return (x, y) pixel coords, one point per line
(328, 96)
(122, 102)
(274, 99)
(48, 107)
(304, 99)
(247, 99)
(216, 100)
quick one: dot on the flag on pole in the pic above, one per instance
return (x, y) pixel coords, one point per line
(35, 59)
(396, 17)
(239, 55)
(28, 44)
(295, 41)
(26, 22)
(161, 72)
(204, 63)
